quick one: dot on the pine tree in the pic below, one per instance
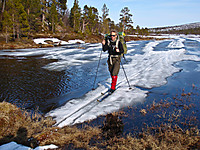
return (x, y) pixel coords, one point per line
(2, 8)
(138, 29)
(44, 9)
(111, 24)
(20, 19)
(125, 18)
(10, 7)
(85, 19)
(90, 18)
(105, 11)
(33, 10)
(7, 24)
(146, 32)
(75, 16)
(62, 6)
(94, 19)
(53, 16)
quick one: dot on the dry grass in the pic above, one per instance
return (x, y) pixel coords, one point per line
(33, 129)
(18, 44)
(165, 136)
(168, 139)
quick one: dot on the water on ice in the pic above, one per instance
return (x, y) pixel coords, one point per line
(146, 70)
(145, 67)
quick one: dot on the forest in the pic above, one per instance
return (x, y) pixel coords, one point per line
(22, 18)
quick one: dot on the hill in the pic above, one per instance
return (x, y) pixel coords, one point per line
(191, 28)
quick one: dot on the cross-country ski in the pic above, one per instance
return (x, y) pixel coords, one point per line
(104, 96)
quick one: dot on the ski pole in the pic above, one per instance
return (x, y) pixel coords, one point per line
(97, 69)
(125, 75)
(124, 58)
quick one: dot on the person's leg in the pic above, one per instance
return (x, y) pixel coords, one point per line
(114, 69)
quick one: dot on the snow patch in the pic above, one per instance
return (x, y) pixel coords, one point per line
(15, 146)
(56, 41)
(176, 43)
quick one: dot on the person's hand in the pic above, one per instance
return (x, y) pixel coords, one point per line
(104, 42)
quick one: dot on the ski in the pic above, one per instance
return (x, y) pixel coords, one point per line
(103, 93)
(104, 96)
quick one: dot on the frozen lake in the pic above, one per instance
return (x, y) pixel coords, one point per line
(58, 81)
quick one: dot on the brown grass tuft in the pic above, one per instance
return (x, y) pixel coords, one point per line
(33, 129)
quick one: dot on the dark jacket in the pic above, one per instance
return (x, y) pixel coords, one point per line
(111, 47)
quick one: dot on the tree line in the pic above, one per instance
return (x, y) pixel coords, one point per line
(20, 18)
(195, 31)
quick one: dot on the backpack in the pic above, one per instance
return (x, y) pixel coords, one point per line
(120, 38)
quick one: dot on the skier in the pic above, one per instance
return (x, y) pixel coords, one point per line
(115, 48)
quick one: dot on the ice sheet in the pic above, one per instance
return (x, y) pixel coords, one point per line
(147, 70)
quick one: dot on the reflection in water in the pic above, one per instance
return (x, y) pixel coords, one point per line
(26, 83)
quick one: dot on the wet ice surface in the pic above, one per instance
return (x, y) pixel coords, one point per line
(147, 70)
(68, 76)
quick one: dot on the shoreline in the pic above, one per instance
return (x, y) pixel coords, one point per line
(29, 43)
(24, 44)
(21, 45)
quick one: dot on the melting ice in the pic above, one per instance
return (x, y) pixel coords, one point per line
(145, 67)
(149, 69)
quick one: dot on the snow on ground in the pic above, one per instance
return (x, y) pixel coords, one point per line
(15, 146)
(149, 64)
(177, 44)
(57, 41)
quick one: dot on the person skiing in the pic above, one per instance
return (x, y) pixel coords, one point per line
(115, 49)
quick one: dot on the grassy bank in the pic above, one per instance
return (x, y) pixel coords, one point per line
(26, 42)
(32, 129)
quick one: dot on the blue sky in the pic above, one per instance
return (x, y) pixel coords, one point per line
(149, 13)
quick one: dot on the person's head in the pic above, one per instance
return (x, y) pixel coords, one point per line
(113, 35)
